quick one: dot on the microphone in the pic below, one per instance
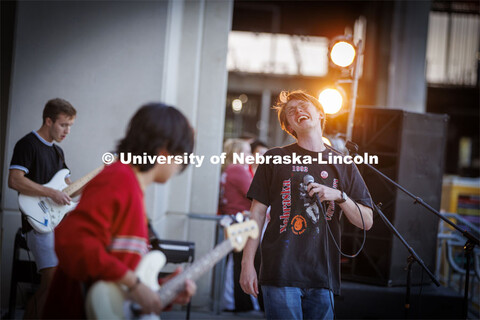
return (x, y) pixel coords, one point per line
(307, 179)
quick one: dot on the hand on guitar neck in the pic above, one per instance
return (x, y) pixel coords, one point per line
(148, 300)
(184, 296)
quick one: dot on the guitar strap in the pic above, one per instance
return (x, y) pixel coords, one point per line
(59, 154)
(26, 226)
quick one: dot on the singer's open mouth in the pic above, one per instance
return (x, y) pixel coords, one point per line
(301, 118)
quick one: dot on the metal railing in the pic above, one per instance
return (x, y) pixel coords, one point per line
(450, 256)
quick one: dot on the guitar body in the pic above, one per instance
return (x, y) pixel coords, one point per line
(105, 301)
(108, 300)
(42, 212)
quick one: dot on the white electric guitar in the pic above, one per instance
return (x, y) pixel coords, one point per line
(43, 213)
(109, 300)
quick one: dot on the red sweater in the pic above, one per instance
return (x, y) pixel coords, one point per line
(234, 184)
(101, 239)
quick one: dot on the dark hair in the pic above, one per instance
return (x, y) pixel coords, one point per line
(285, 97)
(55, 107)
(257, 143)
(153, 127)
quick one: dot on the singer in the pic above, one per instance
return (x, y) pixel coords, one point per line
(300, 270)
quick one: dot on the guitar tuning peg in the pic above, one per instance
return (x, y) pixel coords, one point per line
(226, 221)
(239, 217)
(246, 215)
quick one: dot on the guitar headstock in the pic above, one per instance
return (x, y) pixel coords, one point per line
(239, 233)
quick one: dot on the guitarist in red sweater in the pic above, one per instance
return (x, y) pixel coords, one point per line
(105, 237)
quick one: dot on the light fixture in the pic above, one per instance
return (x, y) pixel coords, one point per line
(342, 52)
(237, 105)
(331, 100)
(347, 55)
(243, 97)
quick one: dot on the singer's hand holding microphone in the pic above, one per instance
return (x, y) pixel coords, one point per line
(324, 193)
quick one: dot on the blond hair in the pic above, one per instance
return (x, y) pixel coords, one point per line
(232, 146)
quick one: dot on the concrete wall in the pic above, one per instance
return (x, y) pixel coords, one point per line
(107, 58)
(407, 86)
(199, 87)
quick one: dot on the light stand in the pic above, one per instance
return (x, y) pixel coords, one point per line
(353, 96)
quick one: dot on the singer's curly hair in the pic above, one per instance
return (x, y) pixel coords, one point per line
(157, 126)
(284, 98)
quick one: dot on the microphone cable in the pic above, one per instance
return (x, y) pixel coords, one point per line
(335, 242)
(320, 205)
(326, 248)
(307, 181)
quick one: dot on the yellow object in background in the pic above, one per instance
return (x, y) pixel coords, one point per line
(457, 192)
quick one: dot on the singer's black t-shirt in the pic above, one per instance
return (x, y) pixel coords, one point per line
(294, 246)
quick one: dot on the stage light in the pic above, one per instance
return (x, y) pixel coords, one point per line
(331, 100)
(347, 55)
(243, 97)
(237, 105)
(342, 52)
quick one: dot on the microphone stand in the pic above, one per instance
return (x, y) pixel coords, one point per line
(410, 260)
(472, 241)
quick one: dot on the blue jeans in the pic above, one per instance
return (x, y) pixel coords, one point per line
(297, 303)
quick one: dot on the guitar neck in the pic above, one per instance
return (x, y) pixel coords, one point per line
(172, 288)
(78, 184)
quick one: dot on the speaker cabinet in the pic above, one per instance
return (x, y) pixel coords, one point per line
(410, 148)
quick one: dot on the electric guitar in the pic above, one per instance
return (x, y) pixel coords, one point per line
(43, 213)
(109, 300)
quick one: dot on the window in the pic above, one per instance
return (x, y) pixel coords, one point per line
(452, 49)
(277, 54)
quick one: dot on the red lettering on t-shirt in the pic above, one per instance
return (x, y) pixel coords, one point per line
(286, 204)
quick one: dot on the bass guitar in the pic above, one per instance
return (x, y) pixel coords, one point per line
(43, 213)
(109, 300)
